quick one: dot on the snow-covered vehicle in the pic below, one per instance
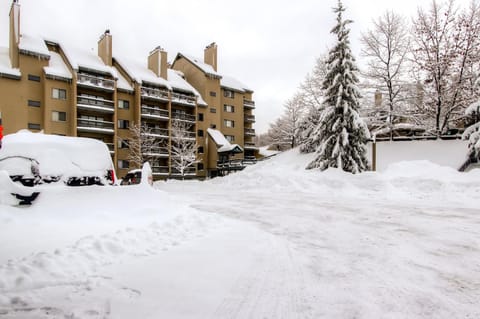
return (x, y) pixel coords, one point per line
(36, 158)
(133, 177)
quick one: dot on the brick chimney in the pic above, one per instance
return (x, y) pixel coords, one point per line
(157, 62)
(105, 48)
(210, 55)
(14, 33)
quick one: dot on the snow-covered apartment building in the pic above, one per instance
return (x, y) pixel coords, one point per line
(47, 86)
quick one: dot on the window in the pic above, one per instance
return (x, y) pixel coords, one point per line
(228, 93)
(59, 94)
(229, 123)
(32, 77)
(33, 126)
(213, 110)
(200, 132)
(200, 167)
(122, 104)
(213, 93)
(229, 108)
(59, 116)
(200, 150)
(200, 117)
(230, 138)
(121, 143)
(33, 103)
(123, 164)
(124, 124)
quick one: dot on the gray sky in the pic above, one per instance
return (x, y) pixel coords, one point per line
(269, 45)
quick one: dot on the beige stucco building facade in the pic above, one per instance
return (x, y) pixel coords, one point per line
(60, 90)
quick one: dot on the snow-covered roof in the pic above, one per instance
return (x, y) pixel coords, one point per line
(140, 73)
(399, 126)
(33, 45)
(206, 68)
(57, 67)
(79, 58)
(6, 65)
(176, 80)
(122, 83)
(232, 83)
(223, 145)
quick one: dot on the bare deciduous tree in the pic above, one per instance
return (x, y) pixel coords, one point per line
(140, 144)
(183, 147)
(446, 48)
(386, 47)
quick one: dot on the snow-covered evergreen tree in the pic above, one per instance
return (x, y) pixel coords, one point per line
(472, 133)
(341, 132)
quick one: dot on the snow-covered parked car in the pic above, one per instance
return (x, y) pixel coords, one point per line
(36, 158)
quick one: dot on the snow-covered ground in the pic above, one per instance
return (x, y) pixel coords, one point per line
(272, 241)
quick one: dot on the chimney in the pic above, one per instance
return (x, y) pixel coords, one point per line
(157, 62)
(378, 98)
(14, 33)
(105, 48)
(210, 55)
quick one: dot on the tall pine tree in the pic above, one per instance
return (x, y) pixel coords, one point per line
(341, 132)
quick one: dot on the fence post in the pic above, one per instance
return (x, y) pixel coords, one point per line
(374, 154)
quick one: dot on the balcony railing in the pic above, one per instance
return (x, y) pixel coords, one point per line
(249, 118)
(183, 98)
(160, 170)
(95, 103)
(249, 145)
(249, 132)
(149, 111)
(163, 132)
(96, 81)
(154, 93)
(156, 151)
(186, 171)
(183, 117)
(184, 135)
(248, 104)
(98, 125)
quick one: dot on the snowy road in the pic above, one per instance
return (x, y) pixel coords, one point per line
(369, 247)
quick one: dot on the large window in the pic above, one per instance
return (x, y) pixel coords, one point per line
(123, 104)
(59, 116)
(123, 124)
(229, 123)
(59, 94)
(228, 93)
(229, 108)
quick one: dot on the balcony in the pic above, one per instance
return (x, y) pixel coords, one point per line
(249, 132)
(184, 99)
(248, 104)
(154, 112)
(183, 117)
(249, 118)
(184, 135)
(95, 81)
(154, 93)
(250, 146)
(160, 170)
(188, 171)
(157, 151)
(159, 132)
(96, 126)
(95, 104)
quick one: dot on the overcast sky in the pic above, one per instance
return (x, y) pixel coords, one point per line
(269, 45)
